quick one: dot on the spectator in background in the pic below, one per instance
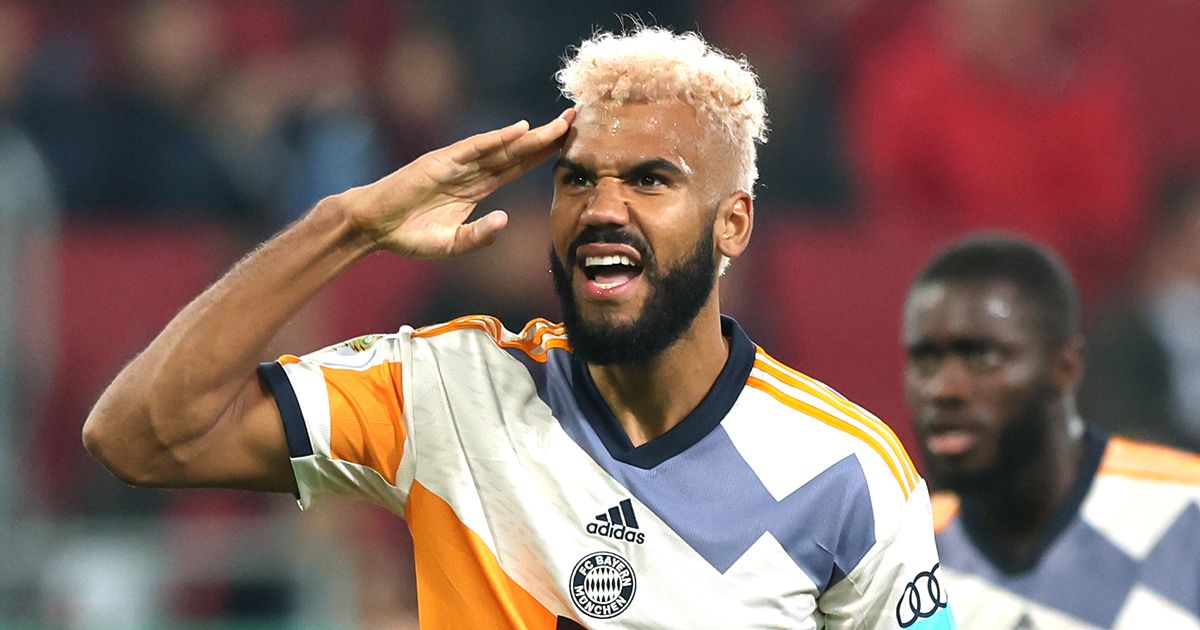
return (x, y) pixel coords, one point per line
(133, 144)
(1157, 40)
(509, 70)
(1144, 354)
(28, 236)
(292, 117)
(1044, 522)
(803, 51)
(175, 50)
(1008, 114)
(333, 140)
(803, 169)
(420, 114)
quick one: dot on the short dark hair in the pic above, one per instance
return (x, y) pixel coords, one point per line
(1037, 272)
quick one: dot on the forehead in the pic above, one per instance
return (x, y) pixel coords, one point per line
(610, 136)
(946, 310)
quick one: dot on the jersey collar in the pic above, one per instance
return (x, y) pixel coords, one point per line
(697, 424)
(1094, 443)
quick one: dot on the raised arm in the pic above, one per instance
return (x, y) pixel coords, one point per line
(190, 411)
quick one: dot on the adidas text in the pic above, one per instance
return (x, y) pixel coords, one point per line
(620, 532)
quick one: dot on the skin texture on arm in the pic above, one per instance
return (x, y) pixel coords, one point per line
(190, 411)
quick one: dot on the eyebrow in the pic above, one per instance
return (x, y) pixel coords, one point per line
(961, 344)
(645, 166)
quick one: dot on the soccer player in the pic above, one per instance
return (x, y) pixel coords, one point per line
(644, 464)
(1046, 522)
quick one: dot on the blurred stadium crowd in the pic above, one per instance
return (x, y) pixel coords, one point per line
(144, 145)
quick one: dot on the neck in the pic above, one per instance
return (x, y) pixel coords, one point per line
(1021, 509)
(649, 399)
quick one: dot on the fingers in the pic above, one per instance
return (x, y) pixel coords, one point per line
(540, 138)
(480, 232)
(481, 144)
(529, 150)
(526, 164)
(498, 149)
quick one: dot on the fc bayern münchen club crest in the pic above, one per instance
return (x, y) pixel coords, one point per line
(602, 585)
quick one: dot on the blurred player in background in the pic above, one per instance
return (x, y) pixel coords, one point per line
(645, 463)
(1045, 522)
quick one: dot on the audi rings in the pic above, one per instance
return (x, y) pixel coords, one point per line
(921, 598)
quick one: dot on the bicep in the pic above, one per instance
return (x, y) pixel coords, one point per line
(247, 448)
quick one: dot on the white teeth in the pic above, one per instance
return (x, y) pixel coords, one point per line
(609, 285)
(619, 259)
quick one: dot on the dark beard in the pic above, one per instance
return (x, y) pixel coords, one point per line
(676, 297)
(1022, 445)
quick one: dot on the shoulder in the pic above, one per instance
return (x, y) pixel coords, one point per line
(1145, 461)
(357, 354)
(1145, 500)
(813, 422)
(534, 340)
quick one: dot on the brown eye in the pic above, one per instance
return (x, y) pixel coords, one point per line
(574, 180)
(984, 359)
(924, 363)
(649, 180)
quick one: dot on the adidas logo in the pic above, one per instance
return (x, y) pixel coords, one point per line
(619, 522)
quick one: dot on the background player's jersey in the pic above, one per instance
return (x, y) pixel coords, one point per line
(775, 503)
(1124, 552)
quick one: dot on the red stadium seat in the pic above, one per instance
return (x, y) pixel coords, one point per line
(118, 285)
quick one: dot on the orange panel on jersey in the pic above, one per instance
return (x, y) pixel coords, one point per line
(1143, 460)
(945, 508)
(532, 341)
(366, 410)
(459, 582)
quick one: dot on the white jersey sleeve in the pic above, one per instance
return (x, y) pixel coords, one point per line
(345, 417)
(896, 584)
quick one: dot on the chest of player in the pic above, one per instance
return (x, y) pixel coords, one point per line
(680, 532)
(592, 538)
(586, 547)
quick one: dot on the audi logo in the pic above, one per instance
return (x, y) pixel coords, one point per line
(921, 598)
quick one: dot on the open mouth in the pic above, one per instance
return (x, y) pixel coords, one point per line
(948, 437)
(951, 443)
(609, 271)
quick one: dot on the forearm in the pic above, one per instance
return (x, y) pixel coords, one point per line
(181, 385)
(190, 411)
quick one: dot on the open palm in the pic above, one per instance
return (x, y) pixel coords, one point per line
(420, 211)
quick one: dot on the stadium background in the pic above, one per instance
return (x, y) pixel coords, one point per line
(145, 145)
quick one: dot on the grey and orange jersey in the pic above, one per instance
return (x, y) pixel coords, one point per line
(1124, 551)
(775, 503)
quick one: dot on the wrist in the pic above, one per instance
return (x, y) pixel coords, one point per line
(339, 215)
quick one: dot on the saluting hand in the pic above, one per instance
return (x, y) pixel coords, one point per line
(420, 210)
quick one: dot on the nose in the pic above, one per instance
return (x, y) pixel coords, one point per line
(608, 203)
(949, 384)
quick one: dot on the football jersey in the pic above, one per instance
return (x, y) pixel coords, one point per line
(775, 503)
(1123, 551)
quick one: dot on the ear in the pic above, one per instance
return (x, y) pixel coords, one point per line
(735, 221)
(1067, 367)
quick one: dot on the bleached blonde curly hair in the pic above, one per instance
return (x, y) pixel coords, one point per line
(653, 65)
